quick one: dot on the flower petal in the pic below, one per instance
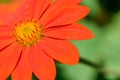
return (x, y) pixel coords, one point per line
(60, 50)
(5, 32)
(5, 37)
(39, 7)
(54, 8)
(68, 1)
(8, 60)
(42, 65)
(23, 70)
(69, 32)
(5, 43)
(26, 10)
(69, 15)
(8, 8)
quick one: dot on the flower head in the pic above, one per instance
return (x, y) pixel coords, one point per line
(38, 33)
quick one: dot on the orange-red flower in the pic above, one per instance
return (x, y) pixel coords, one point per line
(36, 34)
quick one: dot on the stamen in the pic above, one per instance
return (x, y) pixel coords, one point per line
(27, 33)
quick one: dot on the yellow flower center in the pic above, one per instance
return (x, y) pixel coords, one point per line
(28, 33)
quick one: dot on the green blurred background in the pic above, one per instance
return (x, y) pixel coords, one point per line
(103, 50)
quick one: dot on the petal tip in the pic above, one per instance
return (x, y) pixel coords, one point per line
(74, 62)
(92, 35)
